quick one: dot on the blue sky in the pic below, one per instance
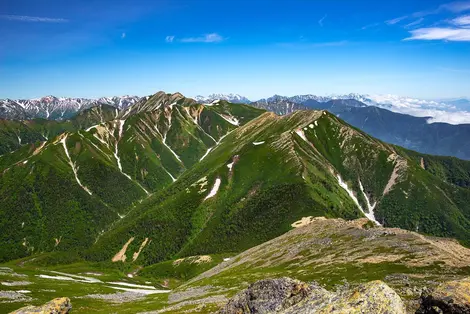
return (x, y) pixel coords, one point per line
(95, 48)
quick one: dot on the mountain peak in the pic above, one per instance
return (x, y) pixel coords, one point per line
(233, 98)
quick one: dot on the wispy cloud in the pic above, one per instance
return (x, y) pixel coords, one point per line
(320, 21)
(123, 35)
(208, 38)
(440, 33)
(417, 22)
(462, 20)
(24, 18)
(370, 26)
(456, 7)
(395, 21)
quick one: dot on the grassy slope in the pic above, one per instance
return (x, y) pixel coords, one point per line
(38, 185)
(275, 184)
(31, 131)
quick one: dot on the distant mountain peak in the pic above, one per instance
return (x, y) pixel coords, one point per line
(233, 98)
(57, 108)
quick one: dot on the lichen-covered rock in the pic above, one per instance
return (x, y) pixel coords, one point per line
(267, 296)
(56, 306)
(288, 296)
(451, 298)
(372, 297)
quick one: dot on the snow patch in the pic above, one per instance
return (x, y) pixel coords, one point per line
(126, 284)
(116, 155)
(207, 153)
(72, 164)
(230, 119)
(301, 133)
(344, 185)
(370, 206)
(141, 291)
(216, 144)
(215, 189)
(172, 178)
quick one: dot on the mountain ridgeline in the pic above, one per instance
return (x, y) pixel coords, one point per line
(169, 177)
(414, 133)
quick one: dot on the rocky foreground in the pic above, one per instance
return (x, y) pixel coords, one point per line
(290, 296)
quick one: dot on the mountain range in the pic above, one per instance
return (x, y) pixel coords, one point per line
(54, 108)
(175, 155)
(168, 188)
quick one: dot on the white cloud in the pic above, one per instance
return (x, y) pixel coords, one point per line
(23, 18)
(208, 38)
(417, 22)
(320, 21)
(462, 20)
(395, 21)
(440, 33)
(436, 111)
(169, 39)
(123, 35)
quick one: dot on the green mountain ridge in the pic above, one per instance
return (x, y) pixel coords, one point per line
(97, 175)
(274, 171)
(204, 179)
(168, 189)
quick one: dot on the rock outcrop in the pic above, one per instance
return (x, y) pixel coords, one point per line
(290, 296)
(452, 297)
(56, 306)
(268, 296)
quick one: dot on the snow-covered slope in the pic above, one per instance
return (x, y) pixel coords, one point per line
(233, 98)
(54, 108)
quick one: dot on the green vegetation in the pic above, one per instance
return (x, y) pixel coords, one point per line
(139, 177)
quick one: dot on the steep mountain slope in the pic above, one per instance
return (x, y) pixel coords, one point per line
(97, 175)
(274, 171)
(404, 130)
(14, 133)
(54, 108)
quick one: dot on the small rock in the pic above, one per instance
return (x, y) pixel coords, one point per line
(56, 306)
